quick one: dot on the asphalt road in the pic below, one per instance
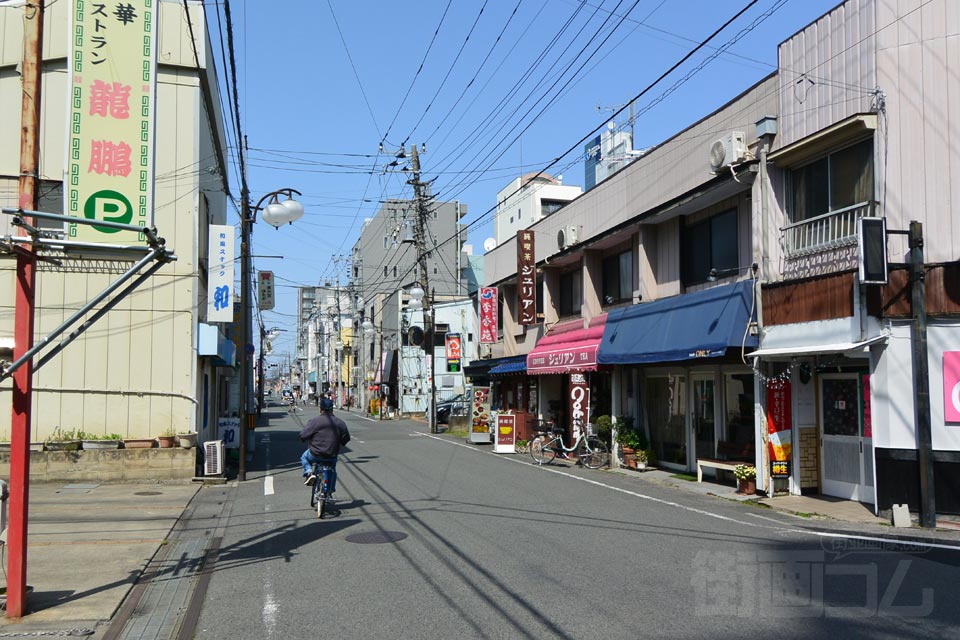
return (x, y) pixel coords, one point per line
(441, 539)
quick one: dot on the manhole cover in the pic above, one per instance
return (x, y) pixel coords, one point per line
(376, 537)
(148, 493)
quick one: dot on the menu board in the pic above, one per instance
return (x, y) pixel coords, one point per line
(506, 434)
(480, 415)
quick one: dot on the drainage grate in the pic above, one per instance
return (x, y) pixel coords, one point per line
(376, 537)
(148, 493)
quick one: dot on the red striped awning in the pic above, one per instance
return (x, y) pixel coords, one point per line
(568, 347)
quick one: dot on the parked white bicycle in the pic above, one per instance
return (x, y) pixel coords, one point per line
(591, 452)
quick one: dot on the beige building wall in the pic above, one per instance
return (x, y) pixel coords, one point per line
(135, 372)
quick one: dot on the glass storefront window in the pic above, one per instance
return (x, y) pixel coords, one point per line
(704, 423)
(739, 406)
(666, 417)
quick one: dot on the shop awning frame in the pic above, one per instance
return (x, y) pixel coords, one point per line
(568, 347)
(698, 325)
(509, 366)
(817, 349)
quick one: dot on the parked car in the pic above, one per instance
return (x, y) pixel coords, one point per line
(456, 406)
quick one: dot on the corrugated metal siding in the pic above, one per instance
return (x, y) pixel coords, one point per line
(827, 71)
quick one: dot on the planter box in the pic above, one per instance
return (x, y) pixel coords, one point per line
(187, 440)
(65, 445)
(141, 443)
(89, 445)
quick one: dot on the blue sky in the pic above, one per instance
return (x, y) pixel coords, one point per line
(323, 83)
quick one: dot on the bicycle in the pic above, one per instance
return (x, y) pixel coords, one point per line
(590, 450)
(320, 491)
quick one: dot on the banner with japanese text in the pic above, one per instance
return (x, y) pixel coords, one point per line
(454, 352)
(779, 420)
(488, 311)
(111, 101)
(266, 293)
(526, 278)
(579, 403)
(220, 274)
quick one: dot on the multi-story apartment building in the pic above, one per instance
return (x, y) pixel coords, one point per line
(153, 363)
(527, 199)
(711, 291)
(325, 341)
(385, 267)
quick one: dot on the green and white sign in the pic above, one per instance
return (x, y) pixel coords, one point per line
(111, 104)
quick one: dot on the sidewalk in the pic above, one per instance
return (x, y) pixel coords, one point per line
(87, 545)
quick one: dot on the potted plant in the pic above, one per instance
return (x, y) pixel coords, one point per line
(94, 441)
(746, 475)
(167, 438)
(187, 440)
(138, 443)
(62, 440)
(629, 441)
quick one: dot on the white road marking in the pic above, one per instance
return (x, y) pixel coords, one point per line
(370, 419)
(270, 608)
(268, 486)
(820, 534)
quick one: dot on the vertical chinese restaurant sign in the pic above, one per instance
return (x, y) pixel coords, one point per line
(454, 352)
(488, 302)
(266, 294)
(526, 278)
(779, 420)
(220, 276)
(110, 129)
(579, 403)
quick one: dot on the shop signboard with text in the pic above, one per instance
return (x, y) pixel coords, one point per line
(579, 403)
(505, 440)
(480, 414)
(526, 278)
(488, 312)
(951, 387)
(454, 352)
(779, 420)
(109, 166)
(220, 274)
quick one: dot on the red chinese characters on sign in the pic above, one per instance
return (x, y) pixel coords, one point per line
(779, 420)
(526, 278)
(579, 403)
(109, 158)
(110, 100)
(488, 302)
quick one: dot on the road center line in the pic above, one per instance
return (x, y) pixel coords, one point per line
(268, 485)
(820, 534)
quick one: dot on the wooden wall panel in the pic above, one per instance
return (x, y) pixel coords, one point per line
(825, 298)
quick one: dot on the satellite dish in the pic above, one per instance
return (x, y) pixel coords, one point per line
(489, 244)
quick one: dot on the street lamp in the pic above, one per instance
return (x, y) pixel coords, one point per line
(276, 213)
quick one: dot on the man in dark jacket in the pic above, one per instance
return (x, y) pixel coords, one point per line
(326, 434)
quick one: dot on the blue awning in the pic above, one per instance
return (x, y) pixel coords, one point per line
(703, 324)
(515, 364)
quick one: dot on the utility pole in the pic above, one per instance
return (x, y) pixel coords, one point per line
(419, 188)
(22, 404)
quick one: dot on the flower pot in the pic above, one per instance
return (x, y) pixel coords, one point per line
(747, 487)
(139, 443)
(187, 440)
(100, 444)
(63, 445)
(166, 442)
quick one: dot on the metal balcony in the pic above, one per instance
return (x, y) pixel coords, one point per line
(826, 232)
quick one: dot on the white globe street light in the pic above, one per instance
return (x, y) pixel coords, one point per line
(277, 214)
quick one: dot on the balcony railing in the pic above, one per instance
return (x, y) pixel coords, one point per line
(825, 232)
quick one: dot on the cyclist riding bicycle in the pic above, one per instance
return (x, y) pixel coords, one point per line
(326, 434)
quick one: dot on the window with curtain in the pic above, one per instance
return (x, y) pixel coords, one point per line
(618, 278)
(570, 293)
(709, 244)
(842, 179)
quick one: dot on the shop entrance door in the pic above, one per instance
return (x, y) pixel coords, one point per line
(846, 447)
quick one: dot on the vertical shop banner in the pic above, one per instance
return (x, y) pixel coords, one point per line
(480, 415)
(866, 419)
(779, 420)
(488, 302)
(110, 109)
(220, 274)
(526, 278)
(579, 403)
(454, 352)
(951, 387)
(266, 296)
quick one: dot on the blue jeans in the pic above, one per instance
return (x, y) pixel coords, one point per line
(308, 460)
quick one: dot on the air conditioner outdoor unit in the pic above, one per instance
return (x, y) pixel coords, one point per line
(728, 150)
(567, 237)
(213, 458)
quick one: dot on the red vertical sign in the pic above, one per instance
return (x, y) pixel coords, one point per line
(779, 420)
(526, 278)
(488, 314)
